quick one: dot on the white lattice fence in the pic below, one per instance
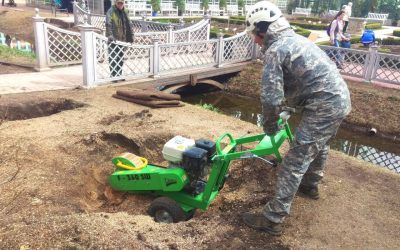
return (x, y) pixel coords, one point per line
(63, 47)
(120, 60)
(354, 62)
(196, 32)
(148, 38)
(238, 48)
(387, 68)
(187, 55)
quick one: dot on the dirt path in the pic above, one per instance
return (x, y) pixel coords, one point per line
(54, 179)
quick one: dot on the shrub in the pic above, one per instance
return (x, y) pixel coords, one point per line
(215, 31)
(302, 32)
(391, 41)
(396, 33)
(373, 26)
(310, 26)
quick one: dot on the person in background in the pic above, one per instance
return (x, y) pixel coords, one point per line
(118, 28)
(299, 74)
(337, 36)
(347, 15)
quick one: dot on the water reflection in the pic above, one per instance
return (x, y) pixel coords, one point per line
(370, 149)
(13, 43)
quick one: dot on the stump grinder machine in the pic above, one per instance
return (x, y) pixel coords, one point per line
(196, 173)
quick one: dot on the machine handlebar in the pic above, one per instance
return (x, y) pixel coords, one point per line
(231, 144)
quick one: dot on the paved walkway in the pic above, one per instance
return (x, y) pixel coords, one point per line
(58, 78)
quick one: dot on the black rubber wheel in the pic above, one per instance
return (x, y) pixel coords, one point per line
(190, 214)
(166, 210)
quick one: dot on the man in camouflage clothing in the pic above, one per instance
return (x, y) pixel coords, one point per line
(118, 28)
(298, 72)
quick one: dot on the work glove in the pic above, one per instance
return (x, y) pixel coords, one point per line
(271, 117)
(110, 39)
(270, 128)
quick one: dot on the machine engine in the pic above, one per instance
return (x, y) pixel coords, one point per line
(194, 157)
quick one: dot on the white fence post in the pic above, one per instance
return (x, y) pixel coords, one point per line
(255, 52)
(156, 57)
(88, 54)
(220, 49)
(370, 64)
(75, 11)
(40, 42)
(208, 18)
(170, 38)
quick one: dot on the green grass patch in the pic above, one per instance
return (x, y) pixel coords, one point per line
(209, 107)
(396, 33)
(12, 55)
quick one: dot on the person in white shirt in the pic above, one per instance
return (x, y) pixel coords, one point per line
(337, 36)
(347, 15)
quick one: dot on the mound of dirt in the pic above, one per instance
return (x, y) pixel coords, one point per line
(55, 192)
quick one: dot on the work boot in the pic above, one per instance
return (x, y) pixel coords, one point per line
(261, 223)
(310, 192)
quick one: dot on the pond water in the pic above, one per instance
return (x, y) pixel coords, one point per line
(384, 153)
(14, 43)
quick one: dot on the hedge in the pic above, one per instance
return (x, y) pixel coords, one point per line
(302, 32)
(231, 21)
(312, 19)
(310, 26)
(373, 26)
(215, 31)
(396, 33)
(391, 41)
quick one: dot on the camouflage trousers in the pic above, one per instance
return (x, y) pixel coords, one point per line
(305, 161)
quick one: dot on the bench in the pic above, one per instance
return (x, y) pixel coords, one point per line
(167, 8)
(193, 8)
(377, 17)
(138, 8)
(215, 10)
(233, 10)
(56, 6)
(302, 11)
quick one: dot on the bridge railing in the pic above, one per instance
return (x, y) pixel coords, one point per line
(369, 65)
(105, 62)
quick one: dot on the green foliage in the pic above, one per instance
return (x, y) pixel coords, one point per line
(396, 33)
(373, 26)
(241, 4)
(237, 21)
(175, 20)
(209, 107)
(222, 3)
(391, 41)
(8, 53)
(302, 32)
(156, 4)
(204, 4)
(310, 26)
(181, 6)
(312, 19)
(215, 31)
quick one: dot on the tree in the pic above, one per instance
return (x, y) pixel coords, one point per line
(181, 6)
(156, 4)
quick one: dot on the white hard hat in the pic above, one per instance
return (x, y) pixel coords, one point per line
(262, 11)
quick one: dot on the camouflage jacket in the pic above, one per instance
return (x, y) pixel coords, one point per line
(300, 73)
(118, 24)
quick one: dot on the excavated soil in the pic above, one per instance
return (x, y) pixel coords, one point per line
(55, 164)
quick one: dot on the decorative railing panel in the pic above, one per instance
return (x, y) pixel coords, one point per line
(63, 47)
(387, 68)
(353, 61)
(148, 38)
(119, 60)
(187, 55)
(238, 48)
